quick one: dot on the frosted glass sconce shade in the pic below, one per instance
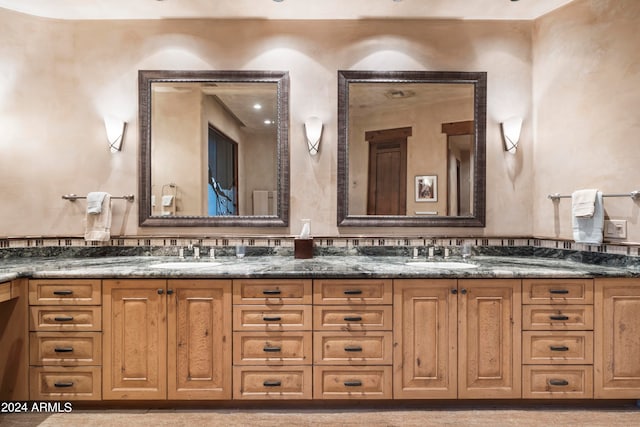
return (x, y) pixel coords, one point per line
(511, 133)
(313, 131)
(115, 132)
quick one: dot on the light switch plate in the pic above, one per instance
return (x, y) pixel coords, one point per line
(615, 228)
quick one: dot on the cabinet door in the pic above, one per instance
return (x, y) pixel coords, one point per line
(424, 339)
(617, 339)
(135, 339)
(489, 342)
(199, 339)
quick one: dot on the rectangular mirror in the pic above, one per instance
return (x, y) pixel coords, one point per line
(411, 148)
(214, 148)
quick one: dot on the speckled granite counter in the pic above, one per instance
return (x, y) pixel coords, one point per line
(318, 267)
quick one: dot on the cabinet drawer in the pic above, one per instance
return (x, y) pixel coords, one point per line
(570, 348)
(272, 382)
(65, 318)
(272, 317)
(557, 382)
(60, 383)
(256, 291)
(557, 317)
(348, 292)
(358, 348)
(557, 291)
(65, 348)
(346, 382)
(353, 318)
(257, 348)
(5, 291)
(64, 292)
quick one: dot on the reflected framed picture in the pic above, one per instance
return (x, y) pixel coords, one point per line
(426, 188)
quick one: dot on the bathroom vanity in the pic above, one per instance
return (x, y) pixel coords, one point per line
(330, 328)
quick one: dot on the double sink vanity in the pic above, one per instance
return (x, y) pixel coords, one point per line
(150, 328)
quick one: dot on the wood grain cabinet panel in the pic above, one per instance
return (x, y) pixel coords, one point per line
(271, 291)
(346, 382)
(57, 318)
(353, 318)
(65, 383)
(425, 339)
(557, 291)
(65, 348)
(64, 292)
(260, 348)
(489, 339)
(555, 347)
(352, 291)
(263, 317)
(617, 339)
(557, 317)
(272, 382)
(557, 382)
(356, 348)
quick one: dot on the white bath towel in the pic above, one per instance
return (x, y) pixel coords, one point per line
(94, 202)
(583, 203)
(167, 200)
(589, 229)
(98, 226)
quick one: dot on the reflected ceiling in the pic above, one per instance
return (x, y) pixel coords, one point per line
(287, 9)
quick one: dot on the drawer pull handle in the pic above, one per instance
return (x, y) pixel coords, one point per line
(558, 382)
(272, 319)
(272, 349)
(559, 348)
(61, 385)
(272, 383)
(558, 317)
(353, 292)
(558, 291)
(271, 292)
(353, 318)
(63, 292)
(63, 349)
(354, 383)
(353, 348)
(63, 318)
(160, 291)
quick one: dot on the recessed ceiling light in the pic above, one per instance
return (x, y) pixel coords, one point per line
(257, 106)
(267, 122)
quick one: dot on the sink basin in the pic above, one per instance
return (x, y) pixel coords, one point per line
(185, 264)
(449, 265)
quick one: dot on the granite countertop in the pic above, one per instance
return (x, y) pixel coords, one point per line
(318, 267)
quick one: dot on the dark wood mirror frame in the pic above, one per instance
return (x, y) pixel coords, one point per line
(479, 80)
(145, 80)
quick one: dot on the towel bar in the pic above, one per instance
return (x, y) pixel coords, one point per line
(73, 197)
(634, 195)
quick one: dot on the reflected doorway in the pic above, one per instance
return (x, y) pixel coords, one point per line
(387, 177)
(460, 161)
(223, 174)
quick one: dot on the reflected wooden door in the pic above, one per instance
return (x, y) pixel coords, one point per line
(387, 186)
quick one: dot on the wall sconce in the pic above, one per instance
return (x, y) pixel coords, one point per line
(511, 133)
(313, 130)
(115, 132)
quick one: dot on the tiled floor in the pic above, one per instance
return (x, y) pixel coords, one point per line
(626, 415)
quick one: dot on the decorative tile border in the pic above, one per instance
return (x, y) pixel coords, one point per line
(276, 243)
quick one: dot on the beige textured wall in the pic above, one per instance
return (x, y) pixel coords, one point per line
(586, 84)
(58, 79)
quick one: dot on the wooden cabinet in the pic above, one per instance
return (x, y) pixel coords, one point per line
(557, 346)
(352, 339)
(457, 339)
(617, 339)
(65, 354)
(14, 349)
(167, 339)
(272, 341)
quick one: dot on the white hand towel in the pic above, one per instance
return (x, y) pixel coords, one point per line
(582, 203)
(98, 226)
(589, 230)
(94, 202)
